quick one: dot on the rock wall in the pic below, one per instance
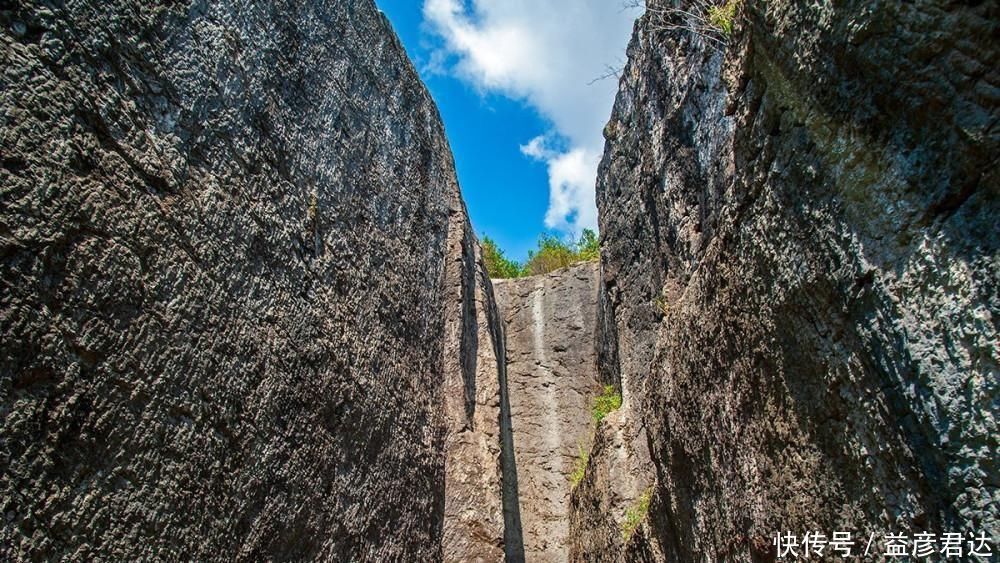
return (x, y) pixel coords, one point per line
(550, 323)
(228, 238)
(482, 515)
(618, 476)
(800, 288)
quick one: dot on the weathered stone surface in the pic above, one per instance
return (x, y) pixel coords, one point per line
(226, 272)
(482, 519)
(800, 256)
(550, 322)
(619, 472)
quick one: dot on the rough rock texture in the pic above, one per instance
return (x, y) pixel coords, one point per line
(550, 323)
(224, 234)
(482, 519)
(800, 256)
(619, 472)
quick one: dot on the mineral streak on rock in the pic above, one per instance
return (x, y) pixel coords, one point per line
(549, 322)
(228, 279)
(800, 289)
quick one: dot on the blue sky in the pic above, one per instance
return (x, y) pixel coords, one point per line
(510, 78)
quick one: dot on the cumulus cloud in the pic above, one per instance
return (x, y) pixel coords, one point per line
(544, 53)
(571, 185)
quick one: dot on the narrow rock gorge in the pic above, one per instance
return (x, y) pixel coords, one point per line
(245, 315)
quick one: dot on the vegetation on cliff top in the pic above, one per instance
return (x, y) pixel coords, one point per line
(712, 20)
(723, 16)
(552, 253)
(497, 263)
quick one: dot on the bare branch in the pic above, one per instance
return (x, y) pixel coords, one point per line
(609, 72)
(696, 18)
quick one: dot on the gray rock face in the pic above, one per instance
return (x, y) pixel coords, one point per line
(482, 518)
(550, 323)
(800, 291)
(229, 272)
(618, 476)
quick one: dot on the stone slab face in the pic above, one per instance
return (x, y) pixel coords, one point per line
(800, 275)
(226, 257)
(550, 322)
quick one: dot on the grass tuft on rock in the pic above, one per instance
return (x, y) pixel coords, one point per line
(609, 400)
(635, 514)
(723, 17)
(662, 305)
(579, 468)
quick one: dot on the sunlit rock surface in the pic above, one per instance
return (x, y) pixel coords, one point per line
(550, 321)
(800, 267)
(229, 287)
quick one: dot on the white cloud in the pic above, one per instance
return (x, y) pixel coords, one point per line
(538, 149)
(545, 52)
(571, 185)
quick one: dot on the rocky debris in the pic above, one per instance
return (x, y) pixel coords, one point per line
(800, 288)
(228, 279)
(550, 322)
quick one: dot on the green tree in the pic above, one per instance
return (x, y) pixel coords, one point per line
(497, 264)
(551, 255)
(589, 247)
